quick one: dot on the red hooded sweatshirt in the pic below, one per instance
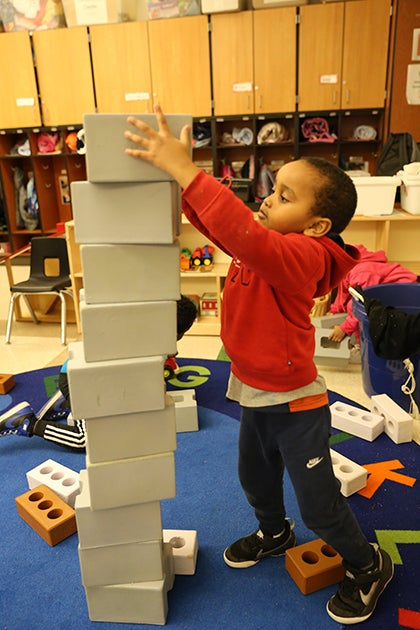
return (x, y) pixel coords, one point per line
(269, 290)
(372, 268)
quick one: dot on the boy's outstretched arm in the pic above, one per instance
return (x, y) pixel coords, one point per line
(162, 149)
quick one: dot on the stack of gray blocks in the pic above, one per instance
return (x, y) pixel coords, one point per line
(127, 222)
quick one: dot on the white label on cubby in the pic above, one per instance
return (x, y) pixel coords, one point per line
(328, 78)
(242, 87)
(137, 96)
(25, 102)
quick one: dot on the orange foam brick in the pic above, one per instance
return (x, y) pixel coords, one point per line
(47, 514)
(7, 382)
(314, 565)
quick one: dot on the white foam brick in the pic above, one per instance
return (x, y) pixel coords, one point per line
(126, 213)
(130, 273)
(62, 480)
(358, 422)
(104, 388)
(130, 481)
(398, 424)
(352, 476)
(131, 523)
(142, 433)
(125, 331)
(185, 410)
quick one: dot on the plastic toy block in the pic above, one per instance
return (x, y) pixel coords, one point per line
(121, 564)
(7, 382)
(141, 602)
(132, 523)
(131, 481)
(358, 422)
(314, 565)
(125, 331)
(328, 321)
(62, 480)
(398, 424)
(47, 514)
(126, 213)
(184, 544)
(130, 273)
(185, 410)
(351, 476)
(107, 388)
(329, 352)
(145, 433)
(105, 143)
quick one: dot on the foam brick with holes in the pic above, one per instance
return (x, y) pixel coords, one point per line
(62, 480)
(398, 424)
(358, 422)
(351, 476)
(184, 545)
(314, 565)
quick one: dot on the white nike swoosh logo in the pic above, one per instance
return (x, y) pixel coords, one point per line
(314, 462)
(366, 598)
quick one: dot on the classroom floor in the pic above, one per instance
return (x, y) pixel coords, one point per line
(36, 346)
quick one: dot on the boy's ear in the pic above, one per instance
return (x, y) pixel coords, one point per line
(320, 227)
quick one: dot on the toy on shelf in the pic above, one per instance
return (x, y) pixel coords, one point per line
(200, 259)
(170, 368)
(202, 256)
(185, 259)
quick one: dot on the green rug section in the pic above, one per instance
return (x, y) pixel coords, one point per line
(222, 356)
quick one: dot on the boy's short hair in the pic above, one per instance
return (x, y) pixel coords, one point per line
(186, 314)
(336, 196)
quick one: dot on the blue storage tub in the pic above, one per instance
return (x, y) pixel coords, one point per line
(381, 376)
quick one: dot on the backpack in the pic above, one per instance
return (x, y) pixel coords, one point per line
(27, 215)
(399, 149)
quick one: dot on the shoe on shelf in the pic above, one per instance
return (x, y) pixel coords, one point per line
(249, 550)
(19, 420)
(359, 592)
(55, 408)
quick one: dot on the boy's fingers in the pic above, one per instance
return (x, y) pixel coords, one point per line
(161, 119)
(185, 136)
(138, 153)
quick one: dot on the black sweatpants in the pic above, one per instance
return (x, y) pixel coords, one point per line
(272, 439)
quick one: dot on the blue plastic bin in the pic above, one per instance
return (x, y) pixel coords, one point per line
(381, 376)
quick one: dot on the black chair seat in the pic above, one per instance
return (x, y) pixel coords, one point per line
(44, 249)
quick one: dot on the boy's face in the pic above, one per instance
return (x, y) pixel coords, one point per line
(289, 207)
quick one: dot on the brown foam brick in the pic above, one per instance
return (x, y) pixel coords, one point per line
(47, 514)
(314, 565)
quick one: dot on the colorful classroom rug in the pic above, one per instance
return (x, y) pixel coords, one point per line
(40, 586)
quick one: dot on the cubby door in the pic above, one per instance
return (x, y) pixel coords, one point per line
(232, 63)
(320, 56)
(64, 74)
(180, 63)
(19, 106)
(121, 67)
(365, 53)
(275, 60)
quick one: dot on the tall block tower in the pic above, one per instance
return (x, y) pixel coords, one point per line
(127, 218)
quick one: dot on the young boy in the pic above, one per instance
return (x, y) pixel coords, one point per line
(22, 420)
(279, 264)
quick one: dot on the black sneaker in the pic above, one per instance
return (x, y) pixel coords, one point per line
(359, 592)
(249, 550)
(18, 420)
(56, 408)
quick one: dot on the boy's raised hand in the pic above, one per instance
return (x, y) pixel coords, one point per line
(162, 149)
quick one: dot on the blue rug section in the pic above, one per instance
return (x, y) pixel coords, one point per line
(40, 585)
